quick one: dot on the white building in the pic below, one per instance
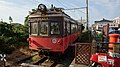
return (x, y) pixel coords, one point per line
(99, 24)
(116, 20)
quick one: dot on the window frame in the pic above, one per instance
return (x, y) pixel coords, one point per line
(68, 28)
(59, 25)
(31, 32)
(39, 28)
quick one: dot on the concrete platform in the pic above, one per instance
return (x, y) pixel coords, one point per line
(76, 65)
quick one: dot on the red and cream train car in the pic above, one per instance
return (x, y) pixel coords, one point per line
(52, 29)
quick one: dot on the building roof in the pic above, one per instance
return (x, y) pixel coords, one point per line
(104, 20)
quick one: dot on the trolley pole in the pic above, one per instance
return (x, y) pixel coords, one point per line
(87, 14)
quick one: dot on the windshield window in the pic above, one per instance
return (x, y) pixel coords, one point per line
(55, 28)
(43, 28)
(34, 28)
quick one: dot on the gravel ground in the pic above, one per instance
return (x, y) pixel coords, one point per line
(67, 60)
(17, 55)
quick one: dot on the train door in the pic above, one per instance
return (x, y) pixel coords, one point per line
(72, 32)
(68, 32)
(65, 39)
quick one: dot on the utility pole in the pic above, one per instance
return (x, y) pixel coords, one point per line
(87, 14)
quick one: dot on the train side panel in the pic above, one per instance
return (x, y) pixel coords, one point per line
(70, 39)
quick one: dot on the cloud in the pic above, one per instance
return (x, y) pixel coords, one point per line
(3, 2)
(98, 9)
(110, 5)
(107, 8)
(16, 11)
(94, 15)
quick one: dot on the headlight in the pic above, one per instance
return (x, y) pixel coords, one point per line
(54, 40)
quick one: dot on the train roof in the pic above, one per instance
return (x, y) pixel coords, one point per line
(51, 12)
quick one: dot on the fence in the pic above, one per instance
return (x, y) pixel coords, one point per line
(83, 53)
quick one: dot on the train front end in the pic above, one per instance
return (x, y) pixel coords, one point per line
(45, 30)
(46, 35)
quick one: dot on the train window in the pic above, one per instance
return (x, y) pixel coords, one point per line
(68, 28)
(43, 28)
(55, 28)
(65, 29)
(79, 27)
(73, 28)
(34, 28)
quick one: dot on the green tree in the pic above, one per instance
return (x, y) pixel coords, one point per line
(12, 36)
(86, 37)
(26, 22)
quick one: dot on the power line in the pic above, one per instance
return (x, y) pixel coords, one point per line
(36, 1)
(61, 3)
(72, 8)
(75, 8)
(66, 7)
(82, 11)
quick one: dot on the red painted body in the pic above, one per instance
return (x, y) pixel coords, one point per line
(37, 43)
(116, 63)
(52, 29)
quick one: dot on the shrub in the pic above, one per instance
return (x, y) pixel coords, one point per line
(12, 36)
(86, 37)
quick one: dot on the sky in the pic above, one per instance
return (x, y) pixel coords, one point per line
(97, 9)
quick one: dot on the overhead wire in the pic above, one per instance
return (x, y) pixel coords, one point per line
(67, 7)
(71, 8)
(36, 1)
(75, 9)
(61, 3)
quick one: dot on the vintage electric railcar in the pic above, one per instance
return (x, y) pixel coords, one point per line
(52, 29)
